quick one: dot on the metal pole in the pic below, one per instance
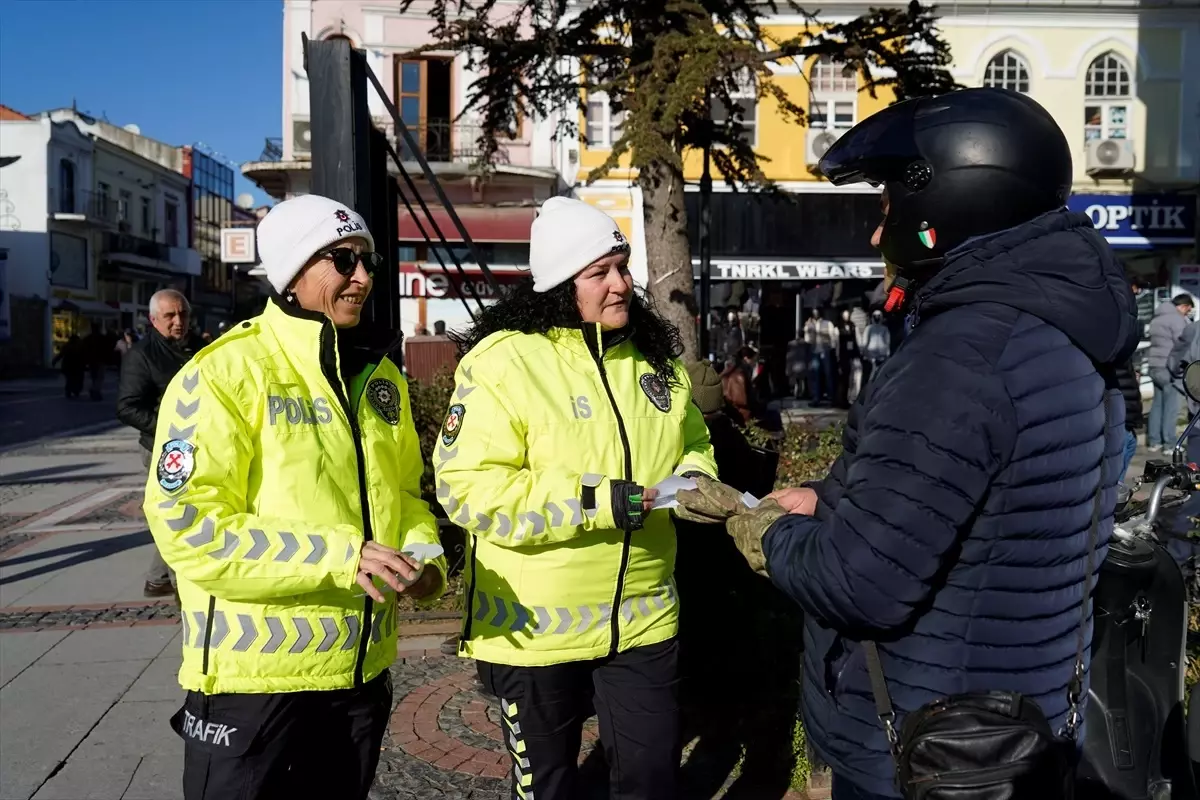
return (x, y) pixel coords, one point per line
(705, 244)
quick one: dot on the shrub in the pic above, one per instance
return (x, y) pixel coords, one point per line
(429, 402)
(805, 453)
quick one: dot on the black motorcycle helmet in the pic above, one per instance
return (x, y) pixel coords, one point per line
(961, 165)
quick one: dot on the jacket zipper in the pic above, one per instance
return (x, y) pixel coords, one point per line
(335, 380)
(615, 618)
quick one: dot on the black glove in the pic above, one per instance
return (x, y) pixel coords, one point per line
(627, 505)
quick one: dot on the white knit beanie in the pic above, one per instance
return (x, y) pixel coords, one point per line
(295, 230)
(568, 235)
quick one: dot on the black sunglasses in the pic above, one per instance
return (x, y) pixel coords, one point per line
(345, 260)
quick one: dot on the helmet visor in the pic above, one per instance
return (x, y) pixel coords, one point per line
(875, 150)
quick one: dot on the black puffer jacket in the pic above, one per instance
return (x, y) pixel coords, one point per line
(145, 372)
(1128, 381)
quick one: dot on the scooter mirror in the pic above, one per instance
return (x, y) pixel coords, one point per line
(1191, 380)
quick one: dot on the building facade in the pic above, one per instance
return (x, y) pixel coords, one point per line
(1112, 72)
(429, 92)
(1115, 78)
(94, 223)
(220, 295)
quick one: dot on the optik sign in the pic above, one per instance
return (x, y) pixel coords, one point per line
(1140, 220)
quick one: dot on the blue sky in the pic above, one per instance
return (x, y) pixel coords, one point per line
(208, 71)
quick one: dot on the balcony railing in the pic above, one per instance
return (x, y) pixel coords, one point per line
(272, 149)
(91, 206)
(128, 244)
(443, 141)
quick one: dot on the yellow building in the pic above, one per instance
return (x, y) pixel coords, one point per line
(1111, 71)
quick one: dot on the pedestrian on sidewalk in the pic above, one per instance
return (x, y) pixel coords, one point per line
(286, 484)
(72, 360)
(1168, 324)
(948, 550)
(570, 403)
(146, 369)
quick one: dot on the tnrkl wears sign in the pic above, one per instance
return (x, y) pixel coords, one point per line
(725, 269)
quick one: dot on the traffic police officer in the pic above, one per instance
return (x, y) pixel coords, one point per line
(570, 401)
(284, 487)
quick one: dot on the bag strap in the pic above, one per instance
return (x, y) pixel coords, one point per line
(883, 701)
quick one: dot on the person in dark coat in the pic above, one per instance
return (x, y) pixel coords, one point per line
(953, 529)
(72, 360)
(1131, 391)
(145, 372)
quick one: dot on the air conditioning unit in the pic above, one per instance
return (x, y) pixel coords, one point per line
(1110, 155)
(818, 141)
(301, 137)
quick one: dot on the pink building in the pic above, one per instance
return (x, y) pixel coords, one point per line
(430, 92)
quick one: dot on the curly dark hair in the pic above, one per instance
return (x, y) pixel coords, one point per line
(522, 309)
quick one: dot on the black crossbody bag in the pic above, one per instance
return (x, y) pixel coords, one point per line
(989, 745)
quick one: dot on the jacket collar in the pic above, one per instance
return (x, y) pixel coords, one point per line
(590, 339)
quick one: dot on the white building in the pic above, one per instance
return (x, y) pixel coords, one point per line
(429, 91)
(91, 230)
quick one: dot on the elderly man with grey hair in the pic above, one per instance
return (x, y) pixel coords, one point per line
(145, 372)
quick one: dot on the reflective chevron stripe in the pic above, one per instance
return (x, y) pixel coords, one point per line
(249, 633)
(522, 769)
(260, 541)
(507, 614)
(278, 628)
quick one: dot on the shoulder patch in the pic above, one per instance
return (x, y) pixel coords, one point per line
(176, 464)
(657, 390)
(453, 424)
(384, 397)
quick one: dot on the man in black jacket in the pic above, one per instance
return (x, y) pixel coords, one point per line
(1131, 390)
(145, 372)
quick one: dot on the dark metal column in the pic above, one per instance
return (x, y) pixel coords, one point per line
(349, 160)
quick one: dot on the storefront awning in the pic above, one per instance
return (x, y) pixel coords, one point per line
(483, 224)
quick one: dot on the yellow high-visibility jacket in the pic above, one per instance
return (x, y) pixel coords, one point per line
(538, 427)
(268, 473)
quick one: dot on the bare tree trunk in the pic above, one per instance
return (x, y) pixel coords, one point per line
(668, 252)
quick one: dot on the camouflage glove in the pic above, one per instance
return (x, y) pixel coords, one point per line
(749, 528)
(710, 503)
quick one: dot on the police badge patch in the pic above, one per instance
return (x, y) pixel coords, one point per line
(175, 464)
(453, 424)
(657, 391)
(384, 397)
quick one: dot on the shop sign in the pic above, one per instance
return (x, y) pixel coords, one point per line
(731, 270)
(436, 286)
(237, 246)
(1140, 220)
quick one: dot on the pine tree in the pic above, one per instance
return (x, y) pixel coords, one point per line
(666, 63)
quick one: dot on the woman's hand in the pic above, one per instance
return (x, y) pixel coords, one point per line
(394, 568)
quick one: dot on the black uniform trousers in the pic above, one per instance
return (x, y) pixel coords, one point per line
(268, 746)
(635, 695)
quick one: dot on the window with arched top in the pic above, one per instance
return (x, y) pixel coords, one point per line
(1107, 90)
(1007, 70)
(834, 88)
